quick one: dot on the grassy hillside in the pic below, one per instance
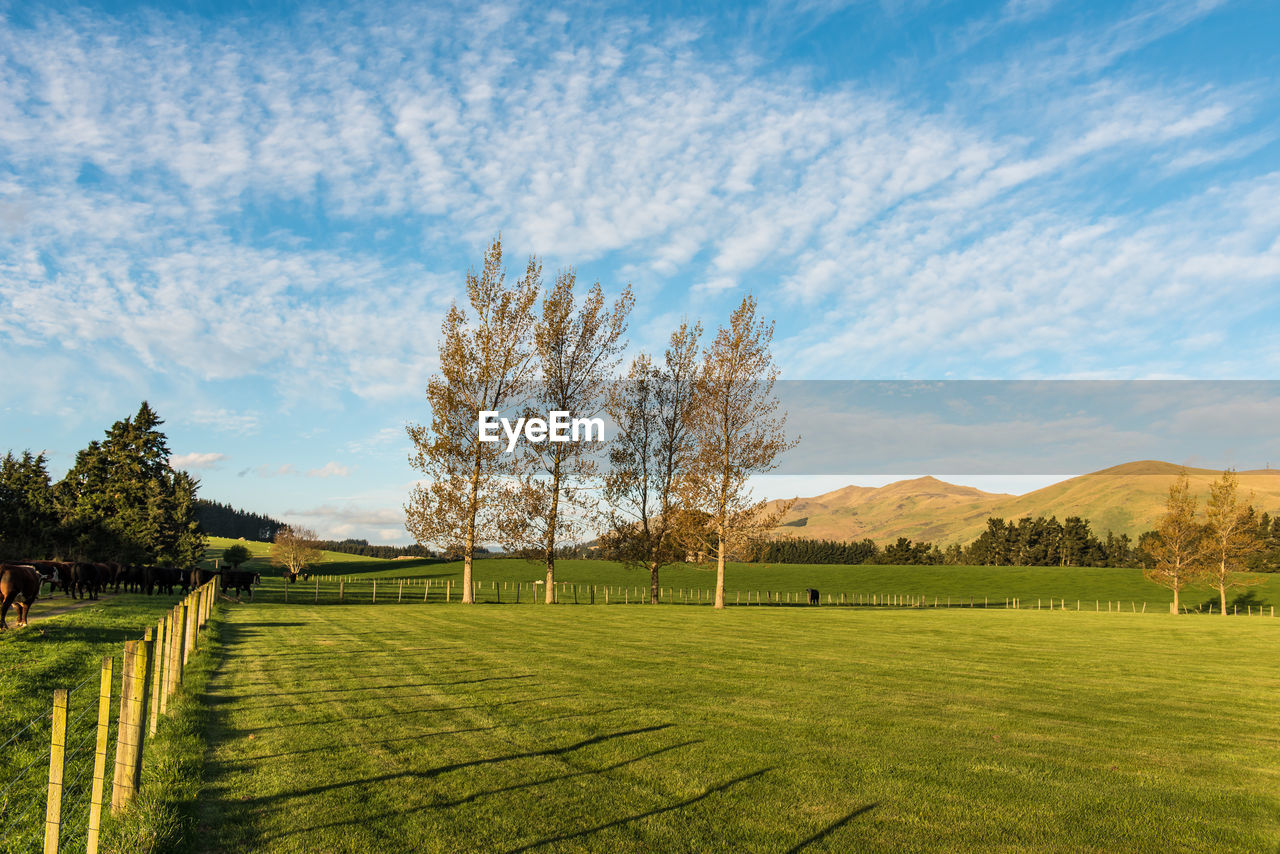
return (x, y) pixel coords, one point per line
(643, 729)
(337, 562)
(1128, 499)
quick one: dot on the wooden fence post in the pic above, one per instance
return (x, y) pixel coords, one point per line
(190, 645)
(133, 704)
(342, 590)
(100, 755)
(400, 596)
(57, 754)
(179, 647)
(375, 592)
(157, 679)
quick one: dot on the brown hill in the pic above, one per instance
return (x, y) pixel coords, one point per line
(1127, 499)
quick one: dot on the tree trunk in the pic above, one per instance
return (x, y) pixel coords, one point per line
(552, 521)
(1173, 606)
(1222, 596)
(653, 583)
(720, 571)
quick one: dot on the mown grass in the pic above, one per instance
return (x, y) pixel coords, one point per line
(435, 728)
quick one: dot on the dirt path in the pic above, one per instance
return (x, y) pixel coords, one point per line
(43, 613)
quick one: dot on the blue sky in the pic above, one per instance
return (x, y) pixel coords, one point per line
(254, 216)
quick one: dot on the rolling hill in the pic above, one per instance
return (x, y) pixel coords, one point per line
(1126, 499)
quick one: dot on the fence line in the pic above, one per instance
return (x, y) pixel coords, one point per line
(75, 744)
(353, 590)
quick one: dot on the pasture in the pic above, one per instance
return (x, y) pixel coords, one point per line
(495, 728)
(994, 583)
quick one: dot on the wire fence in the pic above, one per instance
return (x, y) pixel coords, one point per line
(348, 590)
(61, 760)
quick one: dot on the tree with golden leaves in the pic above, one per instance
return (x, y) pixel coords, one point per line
(1176, 544)
(486, 364)
(737, 433)
(578, 347)
(294, 549)
(1229, 537)
(652, 408)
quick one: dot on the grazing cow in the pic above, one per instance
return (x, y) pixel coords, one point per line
(813, 595)
(239, 580)
(18, 580)
(52, 572)
(162, 579)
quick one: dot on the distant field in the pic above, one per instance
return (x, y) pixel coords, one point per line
(338, 562)
(1083, 584)
(432, 728)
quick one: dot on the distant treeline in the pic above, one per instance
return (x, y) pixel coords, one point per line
(1037, 541)
(362, 547)
(222, 520)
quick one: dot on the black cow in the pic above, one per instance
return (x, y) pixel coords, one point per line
(84, 580)
(239, 580)
(813, 595)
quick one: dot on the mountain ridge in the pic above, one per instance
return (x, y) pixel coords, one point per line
(1128, 498)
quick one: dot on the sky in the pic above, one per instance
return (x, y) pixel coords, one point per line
(255, 215)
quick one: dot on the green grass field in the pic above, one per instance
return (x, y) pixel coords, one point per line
(994, 583)
(435, 728)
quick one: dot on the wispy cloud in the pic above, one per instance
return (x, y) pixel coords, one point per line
(330, 469)
(196, 461)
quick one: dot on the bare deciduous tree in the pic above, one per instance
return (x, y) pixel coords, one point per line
(578, 348)
(737, 434)
(652, 408)
(294, 549)
(486, 364)
(1229, 537)
(1176, 544)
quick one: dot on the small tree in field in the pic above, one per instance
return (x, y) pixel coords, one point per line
(235, 555)
(1229, 537)
(294, 550)
(1176, 542)
(466, 497)
(737, 435)
(652, 407)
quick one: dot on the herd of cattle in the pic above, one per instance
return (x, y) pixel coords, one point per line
(81, 579)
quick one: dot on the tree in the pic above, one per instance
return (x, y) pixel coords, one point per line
(578, 349)
(467, 497)
(736, 435)
(294, 549)
(236, 554)
(1229, 537)
(651, 407)
(1175, 543)
(28, 514)
(122, 500)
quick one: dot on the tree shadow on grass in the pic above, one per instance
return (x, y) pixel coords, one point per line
(346, 720)
(831, 828)
(392, 686)
(569, 776)
(551, 840)
(429, 774)
(247, 762)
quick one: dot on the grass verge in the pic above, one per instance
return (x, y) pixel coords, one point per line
(163, 815)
